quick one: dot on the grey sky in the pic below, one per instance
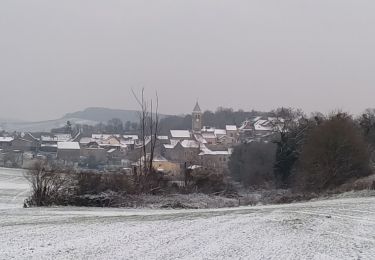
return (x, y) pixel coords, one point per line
(62, 56)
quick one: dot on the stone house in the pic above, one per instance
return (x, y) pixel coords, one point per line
(182, 151)
(232, 132)
(214, 159)
(68, 151)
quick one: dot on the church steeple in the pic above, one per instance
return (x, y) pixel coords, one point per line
(197, 118)
(197, 108)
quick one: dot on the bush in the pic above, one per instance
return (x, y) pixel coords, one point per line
(205, 180)
(95, 183)
(48, 182)
(334, 152)
(252, 164)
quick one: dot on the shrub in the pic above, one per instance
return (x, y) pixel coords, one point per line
(205, 180)
(96, 183)
(334, 152)
(48, 182)
(252, 164)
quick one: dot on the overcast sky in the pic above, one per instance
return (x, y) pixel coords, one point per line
(62, 56)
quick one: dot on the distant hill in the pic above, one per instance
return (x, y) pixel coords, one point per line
(41, 126)
(99, 114)
(89, 116)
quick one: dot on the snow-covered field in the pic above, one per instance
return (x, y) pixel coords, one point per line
(329, 229)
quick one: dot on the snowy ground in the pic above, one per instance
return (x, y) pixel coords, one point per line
(329, 229)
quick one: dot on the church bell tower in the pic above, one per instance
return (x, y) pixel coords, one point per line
(197, 118)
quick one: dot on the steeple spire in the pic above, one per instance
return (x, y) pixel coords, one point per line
(197, 108)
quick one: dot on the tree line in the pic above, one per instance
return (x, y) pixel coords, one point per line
(315, 153)
(219, 119)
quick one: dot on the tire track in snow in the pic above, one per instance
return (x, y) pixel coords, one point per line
(329, 214)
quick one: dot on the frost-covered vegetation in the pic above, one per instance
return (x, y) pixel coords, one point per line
(316, 154)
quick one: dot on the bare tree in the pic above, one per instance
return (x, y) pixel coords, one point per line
(149, 127)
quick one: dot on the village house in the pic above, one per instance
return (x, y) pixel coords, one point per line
(168, 168)
(232, 132)
(171, 170)
(182, 151)
(24, 145)
(115, 156)
(68, 151)
(26, 142)
(246, 130)
(6, 143)
(214, 159)
(259, 129)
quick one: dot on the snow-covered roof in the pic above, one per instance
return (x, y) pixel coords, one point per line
(85, 140)
(208, 135)
(140, 144)
(56, 138)
(68, 146)
(46, 138)
(246, 125)
(256, 118)
(209, 152)
(169, 146)
(48, 145)
(262, 125)
(180, 133)
(208, 129)
(127, 142)
(276, 119)
(159, 158)
(104, 136)
(231, 127)
(200, 139)
(63, 137)
(190, 144)
(163, 137)
(220, 132)
(206, 151)
(172, 144)
(23, 135)
(193, 167)
(133, 137)
(6, 139)
(110, 145)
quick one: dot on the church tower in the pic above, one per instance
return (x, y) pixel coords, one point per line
(197, 118)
